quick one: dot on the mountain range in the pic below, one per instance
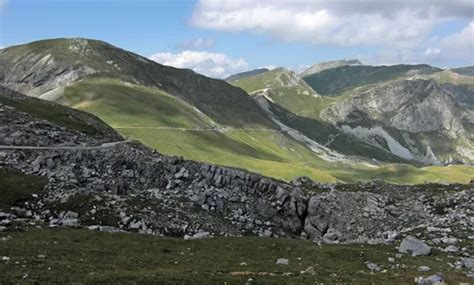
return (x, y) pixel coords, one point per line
(337, 121)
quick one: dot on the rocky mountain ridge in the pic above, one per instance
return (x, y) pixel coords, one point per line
(409, 106)
(318, 67)
(45, 67)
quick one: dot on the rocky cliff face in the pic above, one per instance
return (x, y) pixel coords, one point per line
(129, 187)
(407, 106)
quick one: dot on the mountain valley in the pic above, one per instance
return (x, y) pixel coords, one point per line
(118, 169)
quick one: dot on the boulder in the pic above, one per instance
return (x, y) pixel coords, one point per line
(282, 261)
(196, 236)
(436, 279)
(414, 246)
(468, 262)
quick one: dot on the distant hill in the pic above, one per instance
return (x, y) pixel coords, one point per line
(245, 74)
(335, 81)
(468, 70)
(318, 67)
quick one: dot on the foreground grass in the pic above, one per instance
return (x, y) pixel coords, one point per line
(16, 188)
(81, 256)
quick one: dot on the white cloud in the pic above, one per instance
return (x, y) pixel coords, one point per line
(211, 64)
(432, 51)
(401, 31)
(196, 44)
(339, 22)
(463, 39)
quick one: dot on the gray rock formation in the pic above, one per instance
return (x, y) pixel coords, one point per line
(413, 112)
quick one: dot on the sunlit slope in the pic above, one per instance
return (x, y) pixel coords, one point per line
(173, 127)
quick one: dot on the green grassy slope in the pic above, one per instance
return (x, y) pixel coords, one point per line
(250, 73)
(74, 256)
(282, 81)
(148, 101)
(141, 113)
(450, 76)
(105, 60)
(69, 118)
(335, 81)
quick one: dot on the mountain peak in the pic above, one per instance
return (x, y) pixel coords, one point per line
(318, 67)
(245, 74)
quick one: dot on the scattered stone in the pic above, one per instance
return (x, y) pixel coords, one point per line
(451, 249)
(436, 279)
(414, 246)
(308, 271)
(106, 229)
(282, 261)
(196, 236)
(373, 267)
(468, 262)
(424, 268)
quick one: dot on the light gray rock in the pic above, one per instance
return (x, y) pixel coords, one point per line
(373, 267)
(451, 249)
(437, 279)
(196, 236)
(468, 262)
(424, 268)
(282, 261)
(414, 246)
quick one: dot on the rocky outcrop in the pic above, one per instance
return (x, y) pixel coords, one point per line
(418, 109)
(44, 71)
(380, 213)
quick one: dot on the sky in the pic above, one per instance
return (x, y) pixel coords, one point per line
(221, 37)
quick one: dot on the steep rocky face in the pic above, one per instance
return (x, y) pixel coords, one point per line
(463, 94)
(414, 106)
(318, 67)
(408, 106)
